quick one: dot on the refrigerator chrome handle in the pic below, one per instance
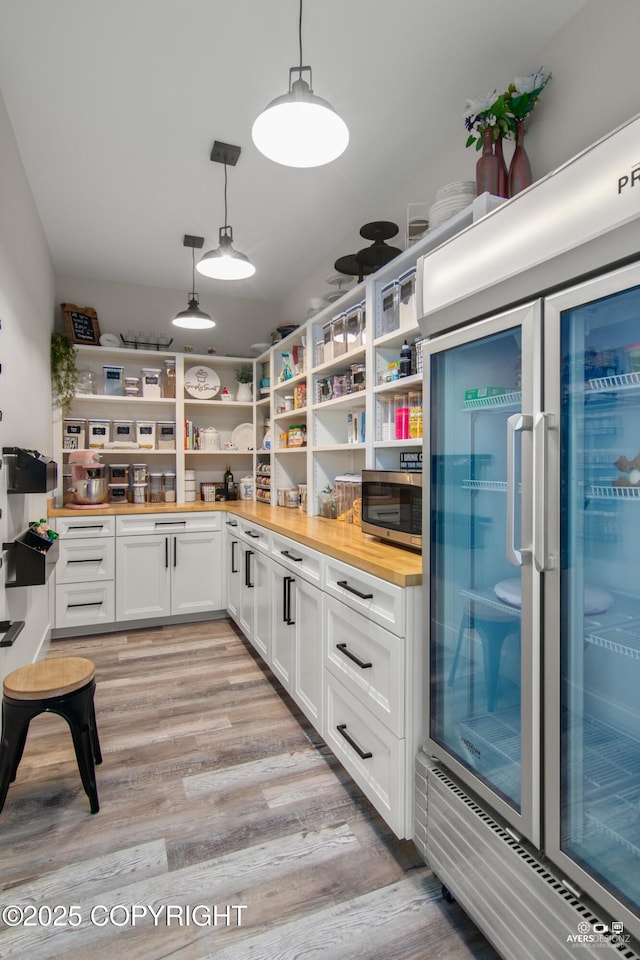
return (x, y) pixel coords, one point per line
(542, 559)
(517, 423)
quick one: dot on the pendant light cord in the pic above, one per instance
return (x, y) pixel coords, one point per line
(300, 38)
(225, 197)
(193, 273)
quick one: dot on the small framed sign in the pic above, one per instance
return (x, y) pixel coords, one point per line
(80, 324)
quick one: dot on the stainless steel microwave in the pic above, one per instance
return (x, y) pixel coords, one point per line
(392, 506)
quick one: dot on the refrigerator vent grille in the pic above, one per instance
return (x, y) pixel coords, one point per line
(523, 909)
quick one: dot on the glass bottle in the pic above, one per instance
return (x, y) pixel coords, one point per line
(229, 485)
(266, 440)
(405, 360)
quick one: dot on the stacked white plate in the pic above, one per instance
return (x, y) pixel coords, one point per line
(450, 199)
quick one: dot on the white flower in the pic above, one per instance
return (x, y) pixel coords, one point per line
(478, 105)
(531, 82)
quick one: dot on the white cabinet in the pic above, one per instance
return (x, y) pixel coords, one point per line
(177, 570)
(249, 582)
(233, 568)
(84, 591)
(296, 640)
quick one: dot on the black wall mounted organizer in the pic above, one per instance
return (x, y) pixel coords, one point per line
(34, 559)
(29, 471)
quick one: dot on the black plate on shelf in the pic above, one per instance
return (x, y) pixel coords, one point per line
(379, 230)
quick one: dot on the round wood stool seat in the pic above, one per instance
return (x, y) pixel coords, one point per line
(48, 678)
(64, 686)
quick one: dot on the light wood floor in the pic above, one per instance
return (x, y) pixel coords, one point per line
(214, 790)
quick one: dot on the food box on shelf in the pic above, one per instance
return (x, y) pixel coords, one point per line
(480, 393)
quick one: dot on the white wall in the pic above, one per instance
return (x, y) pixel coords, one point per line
(594, 89)
(26, 315)
(240, 321)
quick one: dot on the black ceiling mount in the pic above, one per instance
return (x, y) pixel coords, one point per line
(379, 230)
(224, 153)
(350, 266)
(191, 241)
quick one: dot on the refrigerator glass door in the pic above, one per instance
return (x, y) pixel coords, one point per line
(599, 670)
(482, 668)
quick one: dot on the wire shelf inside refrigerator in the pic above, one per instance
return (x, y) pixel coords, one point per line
(618, 629)
(505, 401)
(598, 492)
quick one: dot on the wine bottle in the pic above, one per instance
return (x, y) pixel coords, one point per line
(229, 485)
(405, 360)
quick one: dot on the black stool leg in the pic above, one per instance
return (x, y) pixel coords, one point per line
(15, 725)
(95, 742)
(76, 710)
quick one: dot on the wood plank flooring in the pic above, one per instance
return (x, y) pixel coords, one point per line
(215, 793)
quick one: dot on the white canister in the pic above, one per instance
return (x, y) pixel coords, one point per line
(190, 496)
(151, 379)
(209, 439)
(246, 488)
(146, 434)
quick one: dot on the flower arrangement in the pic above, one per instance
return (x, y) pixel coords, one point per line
(244, 374)
(500, 113)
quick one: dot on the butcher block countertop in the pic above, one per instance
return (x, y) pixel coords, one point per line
(342, 541)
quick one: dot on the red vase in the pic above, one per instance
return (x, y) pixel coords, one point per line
(488, 168)
(520, 167)
(503, 177)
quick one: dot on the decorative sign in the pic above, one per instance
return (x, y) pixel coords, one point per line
(201, 383)
(80, 324)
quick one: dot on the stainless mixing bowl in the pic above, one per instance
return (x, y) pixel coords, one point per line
(90, 491)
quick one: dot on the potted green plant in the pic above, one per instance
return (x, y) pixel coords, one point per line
(64, 371)
(244, 376)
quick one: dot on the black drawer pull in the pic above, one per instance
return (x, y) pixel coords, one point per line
(363, 596)
(287, 587)
(231, 523)
(87, 526)
(252, 533)
(247, 569)
(96, 603)
(10, 631)
(234, 544)
(342, 730)
(88, 560)
(170, 523)
(342, 647)
(285, 553)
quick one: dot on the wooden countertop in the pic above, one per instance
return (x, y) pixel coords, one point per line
(343, 541)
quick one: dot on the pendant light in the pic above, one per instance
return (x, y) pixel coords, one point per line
(300, 129)
(225, 263)
(193, 318)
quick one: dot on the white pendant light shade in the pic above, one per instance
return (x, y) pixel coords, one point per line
(225, 263)
(300, 129)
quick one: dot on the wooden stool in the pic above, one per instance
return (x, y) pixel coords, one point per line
(64, 686)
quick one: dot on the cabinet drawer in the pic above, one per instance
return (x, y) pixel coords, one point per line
(82, 604)
(377, 599)
(258, 537)
(298, 558)
(82, 561)
(168, 523)
(368, 660)
(102, 526)
(350, 729)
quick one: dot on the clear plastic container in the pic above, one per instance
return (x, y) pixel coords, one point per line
(327, 340)
(118, 492)
(74, 434)
(390, 319)
(166, 435)
(113, 381)
(151, 378)
(146, 434)
(119, 473)
(138, 473)
(98, 433)
(169, 379)
(387, 419)
(169, 487)
(139, 492)
(339, 334)
(123, 431)
(415, 415)
(155, 488)
(407, 299)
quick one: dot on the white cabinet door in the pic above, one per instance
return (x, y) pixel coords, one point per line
(196, 572)
(247, 590)
(234, 574)
(143, 577)
(306, 609)
(263, 594)
(283, 635)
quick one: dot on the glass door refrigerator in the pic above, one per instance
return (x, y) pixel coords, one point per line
(532, 571)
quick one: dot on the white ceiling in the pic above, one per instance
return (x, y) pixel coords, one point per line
(115, 105)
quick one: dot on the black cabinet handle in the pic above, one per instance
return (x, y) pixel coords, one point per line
(231, 523)
(175, 551)
(252, 533)
(96, 603)
(286, 600)
(342, 730)
(234, 544)
(342, 647)
(170, 523)
(285, 553)
(363, 596)
(166, 551)
(87, 526)
(10, 631)
(247, 568)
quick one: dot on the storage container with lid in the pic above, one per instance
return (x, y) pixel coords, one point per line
(123, 431)
(98, 433)
(119, 473)
(118, 492)
(327, 340)
(166, 435)
(132, 386)
(169, 379)
(74, 434)
(146, 434)
(139, 492)
(169, 487)
(155, 488)
(339, 334)
(390, 319)
(353, 327)
(138, 473)
(151, 378)
(113, 381)
(407, 313)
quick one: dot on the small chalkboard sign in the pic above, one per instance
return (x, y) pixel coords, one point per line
(80, 324)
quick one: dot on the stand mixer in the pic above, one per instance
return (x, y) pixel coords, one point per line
(88, 482)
